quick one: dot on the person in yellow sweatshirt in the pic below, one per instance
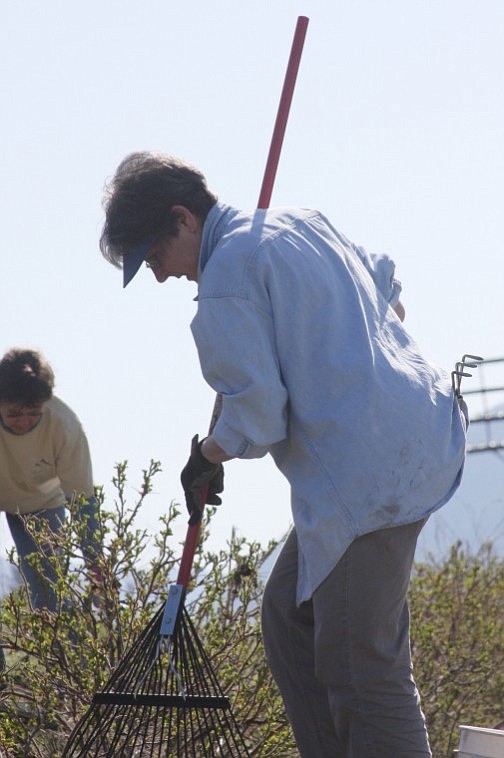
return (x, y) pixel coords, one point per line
(44, 463)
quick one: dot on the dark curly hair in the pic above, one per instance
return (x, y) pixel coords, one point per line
(25, 377)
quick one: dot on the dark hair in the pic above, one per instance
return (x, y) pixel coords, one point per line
(138, 201)
(25, 377)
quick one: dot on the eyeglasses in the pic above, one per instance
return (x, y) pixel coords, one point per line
(152, 261)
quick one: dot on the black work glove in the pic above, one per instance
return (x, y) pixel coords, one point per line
(199, 474)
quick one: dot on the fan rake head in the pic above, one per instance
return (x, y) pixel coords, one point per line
(163, 700)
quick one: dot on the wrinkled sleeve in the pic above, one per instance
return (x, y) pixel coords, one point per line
(236, 348)
(382, 270)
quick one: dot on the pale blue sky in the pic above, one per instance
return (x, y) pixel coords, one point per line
(395, 132)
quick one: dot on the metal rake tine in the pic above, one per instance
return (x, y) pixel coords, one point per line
(459, 370)
(456, 381)
(476, 358)
(161, 645)
(468, 361)
(182, 690)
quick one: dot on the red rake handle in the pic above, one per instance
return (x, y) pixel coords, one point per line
(192, 536)
(283, 112)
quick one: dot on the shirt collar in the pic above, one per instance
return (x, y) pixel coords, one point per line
(213, 230)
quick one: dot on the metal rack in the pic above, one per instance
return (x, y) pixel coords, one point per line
(490, 401)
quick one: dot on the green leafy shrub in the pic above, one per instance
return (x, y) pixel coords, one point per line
(57, 662)
(457, 631)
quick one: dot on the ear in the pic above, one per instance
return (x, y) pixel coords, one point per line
(185, 218)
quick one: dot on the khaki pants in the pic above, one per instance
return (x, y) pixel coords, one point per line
(342, 660)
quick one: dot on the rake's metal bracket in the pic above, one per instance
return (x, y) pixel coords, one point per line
(166, 633)
(171, 610)
(468, 361)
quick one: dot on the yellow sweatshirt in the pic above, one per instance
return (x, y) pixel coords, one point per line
(46, 466)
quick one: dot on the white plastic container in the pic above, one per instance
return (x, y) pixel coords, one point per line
(477, 742)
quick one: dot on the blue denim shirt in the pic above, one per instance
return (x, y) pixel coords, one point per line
(294, 328)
